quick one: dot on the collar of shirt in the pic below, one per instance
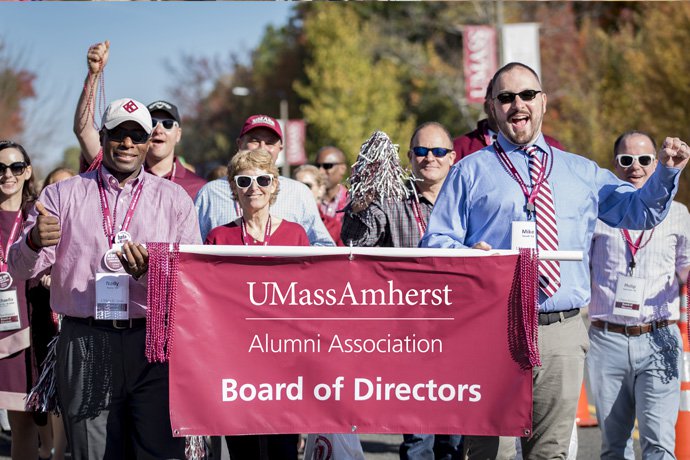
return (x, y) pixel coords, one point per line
(114, 184)
(511, 148)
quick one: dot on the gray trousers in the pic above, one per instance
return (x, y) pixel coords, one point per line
(555, 392)
(114, 403)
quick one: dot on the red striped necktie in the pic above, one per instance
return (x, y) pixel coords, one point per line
(547, 231)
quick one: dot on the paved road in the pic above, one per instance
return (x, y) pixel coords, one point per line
(385, 447)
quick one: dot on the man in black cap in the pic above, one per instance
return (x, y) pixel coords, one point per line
(160, 159)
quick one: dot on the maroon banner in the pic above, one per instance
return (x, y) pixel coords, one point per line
(325, 344)
(295, 137)
(479, 56)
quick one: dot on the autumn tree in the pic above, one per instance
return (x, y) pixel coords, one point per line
(16, 85)
(349, 93)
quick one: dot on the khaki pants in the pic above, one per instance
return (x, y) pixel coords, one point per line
(556, 390)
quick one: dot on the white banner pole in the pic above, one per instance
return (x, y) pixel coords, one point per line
(307, 251)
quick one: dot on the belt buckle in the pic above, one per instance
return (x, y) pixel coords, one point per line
(116, 324)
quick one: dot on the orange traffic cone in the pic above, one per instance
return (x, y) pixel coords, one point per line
(583, 418)
(683, 423)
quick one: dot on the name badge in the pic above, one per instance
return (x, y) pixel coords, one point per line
(9, 311)
(524, 235)
(112, 296)
(629, 298)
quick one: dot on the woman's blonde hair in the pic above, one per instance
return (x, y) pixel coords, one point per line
(253, 159)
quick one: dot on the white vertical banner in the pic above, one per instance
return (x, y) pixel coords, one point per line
(520, 43)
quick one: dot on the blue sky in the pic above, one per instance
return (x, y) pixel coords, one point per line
(51, 39)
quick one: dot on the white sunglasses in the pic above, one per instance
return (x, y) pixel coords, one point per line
(625, 160)
(263, 181)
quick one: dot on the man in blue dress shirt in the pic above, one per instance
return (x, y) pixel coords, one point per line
(484, 204)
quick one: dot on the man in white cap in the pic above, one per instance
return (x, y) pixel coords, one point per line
(215, 205)
(113, 401)
(165, 135)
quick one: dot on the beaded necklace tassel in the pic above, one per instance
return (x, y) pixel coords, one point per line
(523, 311)
(161, 299)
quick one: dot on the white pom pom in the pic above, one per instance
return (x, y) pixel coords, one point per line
(377, 174)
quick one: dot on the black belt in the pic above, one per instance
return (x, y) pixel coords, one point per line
(118, 324)
(549, 318)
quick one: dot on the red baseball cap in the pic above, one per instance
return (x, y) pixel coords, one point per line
(262, 121)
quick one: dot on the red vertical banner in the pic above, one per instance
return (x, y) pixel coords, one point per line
(295, 134)
(479, 60)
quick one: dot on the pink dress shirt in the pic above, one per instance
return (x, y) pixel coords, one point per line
(165, 213)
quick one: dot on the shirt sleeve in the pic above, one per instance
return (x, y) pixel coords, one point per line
(683, 242)
(623, 206)
(447, 225)
(202, 206)
(366, 228)
(25, 263)
(187, 219)
(310, 219)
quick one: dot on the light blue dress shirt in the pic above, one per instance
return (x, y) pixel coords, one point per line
(480, 200)
(215, 207)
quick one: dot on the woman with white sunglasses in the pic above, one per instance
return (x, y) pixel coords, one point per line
(254, 183)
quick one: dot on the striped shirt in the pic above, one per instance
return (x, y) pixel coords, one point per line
(666, 253)
(164, 213)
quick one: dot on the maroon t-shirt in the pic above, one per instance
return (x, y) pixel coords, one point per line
(190, 182)
(286, 234)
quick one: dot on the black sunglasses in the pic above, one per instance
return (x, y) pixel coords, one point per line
(327, 166)
(438, 152)
(166, 122)
(16, 168)
(263, 180)
(526, 95)
(119, 134)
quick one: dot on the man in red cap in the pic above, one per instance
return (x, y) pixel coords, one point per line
(215, 204)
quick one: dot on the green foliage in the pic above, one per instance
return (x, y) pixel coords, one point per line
(70, 158)
(349, 93)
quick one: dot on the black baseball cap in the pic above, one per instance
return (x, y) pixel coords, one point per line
(165, 106)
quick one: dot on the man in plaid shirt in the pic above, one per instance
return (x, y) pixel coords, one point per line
(401, 224)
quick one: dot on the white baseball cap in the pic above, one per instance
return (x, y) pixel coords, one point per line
(127, 109)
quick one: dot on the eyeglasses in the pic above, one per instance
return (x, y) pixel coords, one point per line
(308, 184)
(438, 152)
(245, 182)
(166, 122)
(327, 166)
(136, 136)
(17, 168)
(626, 161)
(526, 95)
